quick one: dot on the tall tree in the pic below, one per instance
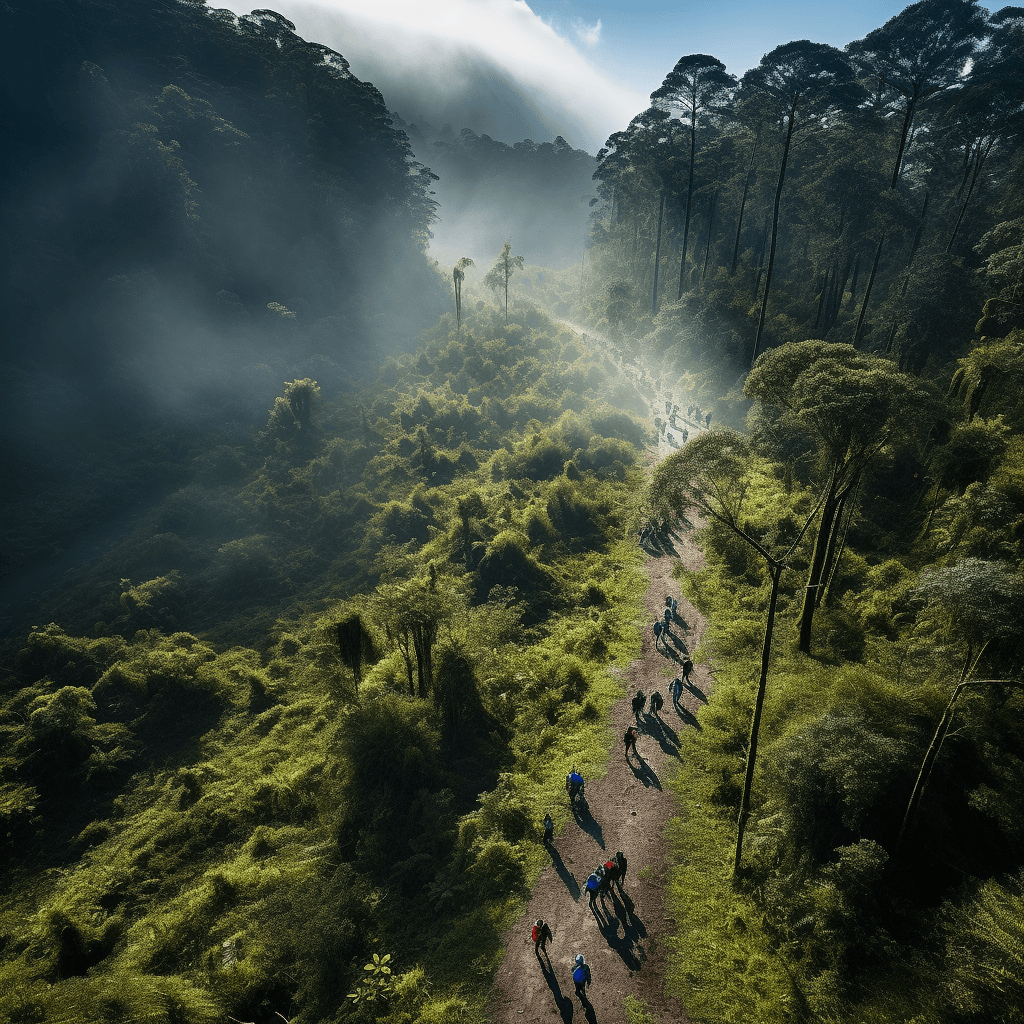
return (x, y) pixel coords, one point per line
(796, 88)
(700, 88)
(504, 267)
(852, 405)
(709, 476)
(916, 56)
(458, 276)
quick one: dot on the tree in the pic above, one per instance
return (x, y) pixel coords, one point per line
(709, 476)
(354, 644)
(701, 88)
(504, 267)
(798, 87)
(916, 56)
(458, 276)
(852, 405)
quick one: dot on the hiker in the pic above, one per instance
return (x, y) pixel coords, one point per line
(574, 786)
(657, 702)
(668, 601)
(611, 872)
(602, 876)
(687, 669)
(620, 859)
(541, 933)
(593, 884)
(638, 704)
(630, 740)
(549, 830)
(677, 689)
(675, 608)
(581, 977)
(658, 627)
(668, 619)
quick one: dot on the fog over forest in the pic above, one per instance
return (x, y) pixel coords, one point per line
(344, 429)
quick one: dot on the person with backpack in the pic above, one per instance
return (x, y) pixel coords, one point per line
(611, 872)
(658, 627)
(657, 702)
(666, 629)
(630, 740)
(677, 689)
(573, 785)
(549, 830)
(687, 669)
(581, 978)
(620, 859)
(593, 887)
(540, 934)
(639, 699)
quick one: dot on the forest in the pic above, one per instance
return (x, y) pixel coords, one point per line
(323, 559)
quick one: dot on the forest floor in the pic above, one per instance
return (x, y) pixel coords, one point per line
(626, 944)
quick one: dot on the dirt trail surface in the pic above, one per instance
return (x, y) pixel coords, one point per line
(624, 943)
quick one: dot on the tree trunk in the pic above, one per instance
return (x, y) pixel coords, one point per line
(867, 292)
(814, 576)
(918, 232)
(775, 231)
(657, 256)
(911, 105)
(821, 298)
(775, 569)
(689, 204)
(974, 180)
(743, 204)
(853, 284)
(711, 227)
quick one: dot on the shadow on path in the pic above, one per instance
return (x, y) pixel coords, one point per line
(562, 1003)
(667, 737)
(567, 877)
(588, 824)
(687, 717)
(696, 691)
(645, 773)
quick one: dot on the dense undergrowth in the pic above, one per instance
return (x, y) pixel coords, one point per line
(313, 712)
(841, 911)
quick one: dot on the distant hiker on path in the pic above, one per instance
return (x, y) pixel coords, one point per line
(630, 740)
(638, 704)
(687, 669)
(581, 978)
(677, 689)
(549, 830)
(573, 785)
(593, 886)
(620, 859)
(659, 627)
(541, 933)
(657, 703)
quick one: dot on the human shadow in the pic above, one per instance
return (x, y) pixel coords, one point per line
(696, 691)
(563, 1003)
(623, 944)
(588, 824)
(687, 717)
(567, 877)
(679, 643)
(667, 737)
(644, 772)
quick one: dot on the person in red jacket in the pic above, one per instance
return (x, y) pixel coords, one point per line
(541, 933)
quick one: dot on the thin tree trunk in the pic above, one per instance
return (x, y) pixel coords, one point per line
(689, 204)
(821, 540)
(918, 232)
(657, 256)
(853, 285)
(775, 231)
(743, 205)
(867, 292)
(821, 297)
(775, 569)
(711, 227)
(911, 106)
(974, 179)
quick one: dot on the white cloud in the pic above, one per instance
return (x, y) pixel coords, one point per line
(435, 46)
(589, 34)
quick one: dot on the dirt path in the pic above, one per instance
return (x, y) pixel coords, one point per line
(629, 809)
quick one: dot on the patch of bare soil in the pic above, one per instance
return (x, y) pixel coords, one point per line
(625, 941)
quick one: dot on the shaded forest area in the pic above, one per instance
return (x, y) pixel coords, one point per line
(284, 748)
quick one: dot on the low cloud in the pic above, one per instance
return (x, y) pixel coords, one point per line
(437, 53)
(589, 34)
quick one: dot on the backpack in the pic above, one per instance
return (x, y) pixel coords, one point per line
(535, 934)
(593, 882)
(658, 627)
(580, 974)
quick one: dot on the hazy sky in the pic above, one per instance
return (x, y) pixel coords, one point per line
(597, 61)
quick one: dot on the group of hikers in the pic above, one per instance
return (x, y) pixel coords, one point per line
(597, 885)
(612, 872)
